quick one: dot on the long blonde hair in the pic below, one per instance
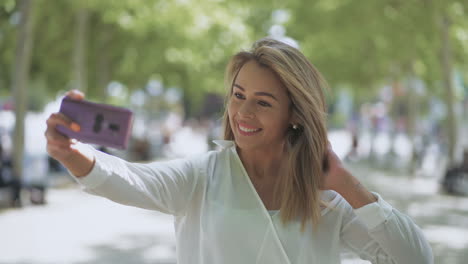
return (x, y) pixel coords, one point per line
(306, 145)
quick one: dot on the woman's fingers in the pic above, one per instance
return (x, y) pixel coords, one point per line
(61, 119)
(329, 145)
(56, 138)
(59, 145)
(75, 94)
(326, 159)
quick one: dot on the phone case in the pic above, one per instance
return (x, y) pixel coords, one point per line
(101, 124)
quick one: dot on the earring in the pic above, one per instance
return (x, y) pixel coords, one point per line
(295, 127)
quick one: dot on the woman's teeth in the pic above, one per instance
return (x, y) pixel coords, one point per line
(249, 130)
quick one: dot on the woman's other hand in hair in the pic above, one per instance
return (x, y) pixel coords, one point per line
(335, 174)
(337, 178)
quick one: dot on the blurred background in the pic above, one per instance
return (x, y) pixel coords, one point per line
(398, 108)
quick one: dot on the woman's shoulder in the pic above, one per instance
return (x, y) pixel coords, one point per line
(211, 158)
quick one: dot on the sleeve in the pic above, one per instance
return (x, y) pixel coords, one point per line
(163, 186)
(382, 235)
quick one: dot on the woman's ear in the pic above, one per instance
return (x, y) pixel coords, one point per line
(294, 121)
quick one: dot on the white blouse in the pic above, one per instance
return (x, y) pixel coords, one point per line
(219, 217)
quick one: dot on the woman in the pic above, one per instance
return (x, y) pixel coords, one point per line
(275, 193)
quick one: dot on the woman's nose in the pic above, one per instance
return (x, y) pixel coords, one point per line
(247, 109)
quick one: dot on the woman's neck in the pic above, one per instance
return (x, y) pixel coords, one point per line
(263, 164)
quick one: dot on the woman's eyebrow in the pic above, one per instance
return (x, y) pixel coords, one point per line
(257, 93)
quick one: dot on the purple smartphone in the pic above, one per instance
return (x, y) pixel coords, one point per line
(101, 124)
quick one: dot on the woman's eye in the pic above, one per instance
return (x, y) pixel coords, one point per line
(263, 103)
(238, 95)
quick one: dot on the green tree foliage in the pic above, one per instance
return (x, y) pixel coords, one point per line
(368, 43)
(184, 43)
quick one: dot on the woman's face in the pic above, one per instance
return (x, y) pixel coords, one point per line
(258, 108)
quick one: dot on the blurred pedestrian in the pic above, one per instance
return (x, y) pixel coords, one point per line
(353, 128)
(2, 180)
(456, 176)
(36, 176)
(8, 181)
(141, 149)
(275, 193)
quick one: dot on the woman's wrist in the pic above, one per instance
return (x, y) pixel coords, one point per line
(354, 192)
(81, 162)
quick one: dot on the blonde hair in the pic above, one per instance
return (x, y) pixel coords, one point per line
(306, 145)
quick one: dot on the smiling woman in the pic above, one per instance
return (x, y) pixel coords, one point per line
(276, 114)
(274, 193)
(255, 112)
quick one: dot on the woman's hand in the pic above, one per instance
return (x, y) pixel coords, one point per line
(337, 178)
(335, 174)
(59, 146)
(69, 152)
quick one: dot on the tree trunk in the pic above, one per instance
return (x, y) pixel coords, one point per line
(20, 80)
(413, 102)
(103, 74)
(449, 94)
(79, 54)
(187, 99)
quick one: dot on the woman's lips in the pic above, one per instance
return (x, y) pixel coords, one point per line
(247, 130)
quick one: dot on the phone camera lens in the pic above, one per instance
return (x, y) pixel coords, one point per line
(98, 123)
(114, 127)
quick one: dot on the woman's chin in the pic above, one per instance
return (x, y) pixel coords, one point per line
(246, 144)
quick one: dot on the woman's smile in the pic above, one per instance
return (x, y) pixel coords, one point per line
(247, 130)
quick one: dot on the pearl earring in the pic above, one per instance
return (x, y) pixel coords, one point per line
(294, 126)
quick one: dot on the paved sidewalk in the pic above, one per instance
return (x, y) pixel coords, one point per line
(75, 227)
